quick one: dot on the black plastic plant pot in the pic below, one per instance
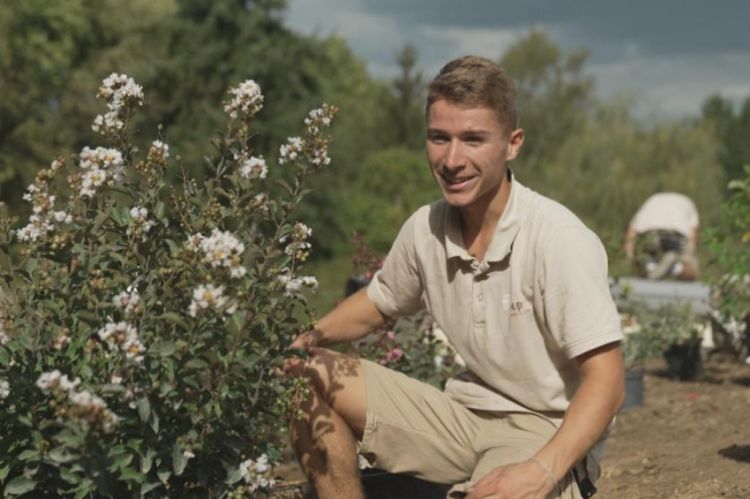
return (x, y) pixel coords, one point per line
(383, 485)
(684, 360)
(633, 389)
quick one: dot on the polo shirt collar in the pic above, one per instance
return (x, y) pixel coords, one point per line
(505, 231)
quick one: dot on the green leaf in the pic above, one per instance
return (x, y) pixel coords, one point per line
(19, 485)
(196, 364)
(163, 349)
(88, 317)
(131, 474)
(148, 487)
(4, 470)
(61, 455)
(154, 422)
(68, 476)
(121, 461)
(233, 476)
(29, 455)
(164, 475)
(147, 460)
(175, 318)
(179, 461)
(144, 408)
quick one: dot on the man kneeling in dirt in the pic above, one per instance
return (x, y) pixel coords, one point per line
(518, 284)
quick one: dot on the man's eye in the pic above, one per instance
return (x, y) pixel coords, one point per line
(438, 139)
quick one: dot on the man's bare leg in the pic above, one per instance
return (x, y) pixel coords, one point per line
(333, 416)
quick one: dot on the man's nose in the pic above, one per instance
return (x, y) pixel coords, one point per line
(454, 156)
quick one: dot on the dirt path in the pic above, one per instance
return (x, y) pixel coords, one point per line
(689, 439)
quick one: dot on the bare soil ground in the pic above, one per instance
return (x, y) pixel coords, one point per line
(689, 440)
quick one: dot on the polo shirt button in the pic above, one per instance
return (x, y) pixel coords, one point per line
(480, 296)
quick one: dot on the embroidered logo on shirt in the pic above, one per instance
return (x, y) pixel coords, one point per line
(515, 307)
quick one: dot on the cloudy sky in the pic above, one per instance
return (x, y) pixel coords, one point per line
(667, 54)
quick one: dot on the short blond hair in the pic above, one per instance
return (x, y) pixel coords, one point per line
(476, 81)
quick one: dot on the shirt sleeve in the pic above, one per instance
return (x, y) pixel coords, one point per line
(578, 306)
(396, 289)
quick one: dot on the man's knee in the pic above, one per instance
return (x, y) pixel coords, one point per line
(337, 381)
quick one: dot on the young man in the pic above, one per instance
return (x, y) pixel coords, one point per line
(517, 283)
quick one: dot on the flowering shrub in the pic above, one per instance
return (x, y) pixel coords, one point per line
(141, 323)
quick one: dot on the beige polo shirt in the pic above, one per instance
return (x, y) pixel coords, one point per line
(666, 211)
(540, 298)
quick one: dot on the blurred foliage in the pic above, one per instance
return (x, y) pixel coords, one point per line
(730, 249)
(732, 129)
(391, 185)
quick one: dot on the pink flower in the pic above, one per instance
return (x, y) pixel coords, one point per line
(390, 335)
(394, 355)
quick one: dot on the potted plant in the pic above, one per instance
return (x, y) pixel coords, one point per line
(666, 331)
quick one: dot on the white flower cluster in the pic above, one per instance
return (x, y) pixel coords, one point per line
(254, 167)
(103, 166)
(320, 157)
(158, 152)
(56, 381)
(319, 119)
(246, 100)
(291, 150)
(85, 407)
(4, 388)
(124, 337)
(221, 249)
(298, 246)
(257, 474)
(140, 225)
(61, 340)
(128, 301)
(43, 218)
(293, 285)
(260, 202)
(90, 409)
(4, 338)
(210, 296)
(121, 92)
(36, 228)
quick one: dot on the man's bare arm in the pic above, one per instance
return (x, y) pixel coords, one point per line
(597, 400)
(595, 403)
(350, 320)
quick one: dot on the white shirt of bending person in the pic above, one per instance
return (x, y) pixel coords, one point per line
(666, 211)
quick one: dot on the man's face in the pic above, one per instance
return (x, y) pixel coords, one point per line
(468, 150)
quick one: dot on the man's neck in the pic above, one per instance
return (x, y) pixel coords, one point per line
(478, 221)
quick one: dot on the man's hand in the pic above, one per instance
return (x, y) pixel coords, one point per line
(306, 342)
(526, 480)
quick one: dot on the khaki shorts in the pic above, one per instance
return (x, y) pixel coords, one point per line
(414, 428)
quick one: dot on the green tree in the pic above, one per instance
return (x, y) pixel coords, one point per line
(393, 184)
(732, 129)
(407, 104)
(554, 95)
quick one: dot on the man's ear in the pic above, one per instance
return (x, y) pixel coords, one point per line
(515, 141)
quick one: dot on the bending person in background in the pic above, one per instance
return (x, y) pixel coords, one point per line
(662, 237)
